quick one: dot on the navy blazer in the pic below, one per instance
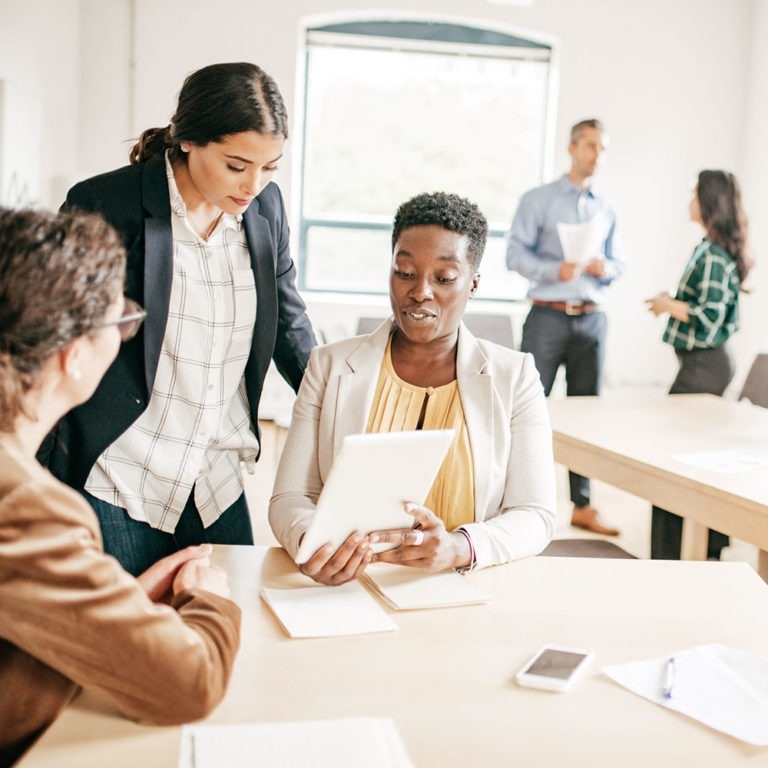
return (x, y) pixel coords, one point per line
(135, 200)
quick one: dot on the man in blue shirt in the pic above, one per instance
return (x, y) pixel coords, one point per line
(566, 324)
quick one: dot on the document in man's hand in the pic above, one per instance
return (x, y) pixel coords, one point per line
(327, 611)
(372, 742)
(406, 589)
(724, 688)
(371, 479)
(584, 241)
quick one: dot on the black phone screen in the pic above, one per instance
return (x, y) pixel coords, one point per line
(553, 663)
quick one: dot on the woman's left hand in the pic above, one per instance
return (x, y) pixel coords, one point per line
(427, 545)
(659, 304)
(157, 580)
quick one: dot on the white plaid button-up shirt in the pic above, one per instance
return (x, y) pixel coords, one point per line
(197, 426)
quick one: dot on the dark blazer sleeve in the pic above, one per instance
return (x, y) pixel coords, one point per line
(295, 337)
(81, 436)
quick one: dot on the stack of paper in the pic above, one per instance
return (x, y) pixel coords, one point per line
(327, 611)
(725, 688)
(347, 743)
(407, 589)
(585, 241)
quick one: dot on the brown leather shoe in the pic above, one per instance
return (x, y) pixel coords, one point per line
(589, 519)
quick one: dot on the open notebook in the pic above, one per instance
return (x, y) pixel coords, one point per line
(406, 589)
(319, 611)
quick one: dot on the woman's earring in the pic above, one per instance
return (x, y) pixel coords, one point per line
(75, 374)
(184, 147)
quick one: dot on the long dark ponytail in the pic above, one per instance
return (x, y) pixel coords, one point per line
(719, 199)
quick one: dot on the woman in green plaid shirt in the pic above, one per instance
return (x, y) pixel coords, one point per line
(702, 316)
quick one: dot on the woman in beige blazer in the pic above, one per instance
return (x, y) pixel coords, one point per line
(498, 479)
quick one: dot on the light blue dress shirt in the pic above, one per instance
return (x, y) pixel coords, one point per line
(533, 244)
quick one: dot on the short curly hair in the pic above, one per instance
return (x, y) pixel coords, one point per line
(58, 276)
(449, 211)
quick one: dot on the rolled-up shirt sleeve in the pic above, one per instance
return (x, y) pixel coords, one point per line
(522, 240)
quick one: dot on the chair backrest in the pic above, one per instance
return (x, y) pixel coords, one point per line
(585, 548)
(755, 387)
(495, 328)
(492, 327)
(368, 324)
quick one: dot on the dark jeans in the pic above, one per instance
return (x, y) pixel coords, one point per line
(137, 545)
(702, 371)
(578, 343)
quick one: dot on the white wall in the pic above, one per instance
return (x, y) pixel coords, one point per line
(680, 86)
(39, 42)
(106, 86)
(754, 174)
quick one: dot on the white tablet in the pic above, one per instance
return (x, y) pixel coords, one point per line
(372, 477)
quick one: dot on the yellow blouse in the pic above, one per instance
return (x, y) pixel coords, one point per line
(397, 407)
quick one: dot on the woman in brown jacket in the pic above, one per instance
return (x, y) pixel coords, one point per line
(161, 647)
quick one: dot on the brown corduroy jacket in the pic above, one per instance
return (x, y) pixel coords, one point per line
(71, 617)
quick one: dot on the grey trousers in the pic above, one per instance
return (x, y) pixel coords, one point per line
(578, 343)
(702, 371)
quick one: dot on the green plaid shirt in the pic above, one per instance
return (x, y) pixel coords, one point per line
(710, 286)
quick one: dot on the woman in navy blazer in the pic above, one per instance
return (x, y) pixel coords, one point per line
(217, 156)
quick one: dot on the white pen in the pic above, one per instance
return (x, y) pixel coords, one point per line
(669, 679)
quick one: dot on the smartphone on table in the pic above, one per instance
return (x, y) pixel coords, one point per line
(554, 668)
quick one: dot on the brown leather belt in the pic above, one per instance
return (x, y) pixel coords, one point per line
(570, 307)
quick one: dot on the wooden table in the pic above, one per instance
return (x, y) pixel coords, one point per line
(630, 443)
(446, 677)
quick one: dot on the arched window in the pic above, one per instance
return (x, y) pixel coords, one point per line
(393, 108)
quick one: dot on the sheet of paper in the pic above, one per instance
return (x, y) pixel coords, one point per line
(321, 744)
(406, 588)
(732, 460)
(582, 242)
(327, 611)
(722, 687)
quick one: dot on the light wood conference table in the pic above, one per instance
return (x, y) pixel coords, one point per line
(630, 443)
(446, 676)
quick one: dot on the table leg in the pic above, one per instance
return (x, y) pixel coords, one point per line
(762, 564)
(694, 545)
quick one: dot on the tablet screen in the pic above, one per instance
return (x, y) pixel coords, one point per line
(372, 477)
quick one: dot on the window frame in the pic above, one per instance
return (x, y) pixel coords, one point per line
(318, 25)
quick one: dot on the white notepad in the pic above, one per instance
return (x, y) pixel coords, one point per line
(725, 688)
(343, 743)
(372, 477)
(406, 589)
(327, 611)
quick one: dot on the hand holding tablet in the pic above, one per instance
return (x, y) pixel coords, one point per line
(371, 479)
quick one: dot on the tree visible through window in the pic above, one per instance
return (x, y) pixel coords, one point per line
(397, 108)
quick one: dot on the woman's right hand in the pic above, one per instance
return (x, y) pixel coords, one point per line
(345, 564)
(200, 574)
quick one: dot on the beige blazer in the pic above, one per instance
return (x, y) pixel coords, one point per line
(507, 422)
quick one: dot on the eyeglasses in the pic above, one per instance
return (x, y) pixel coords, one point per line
(130, 321)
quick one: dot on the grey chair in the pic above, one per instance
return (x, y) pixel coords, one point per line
(368, 324)
(492, 327)
(755, 387)
(489, 326)
(585, 548)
